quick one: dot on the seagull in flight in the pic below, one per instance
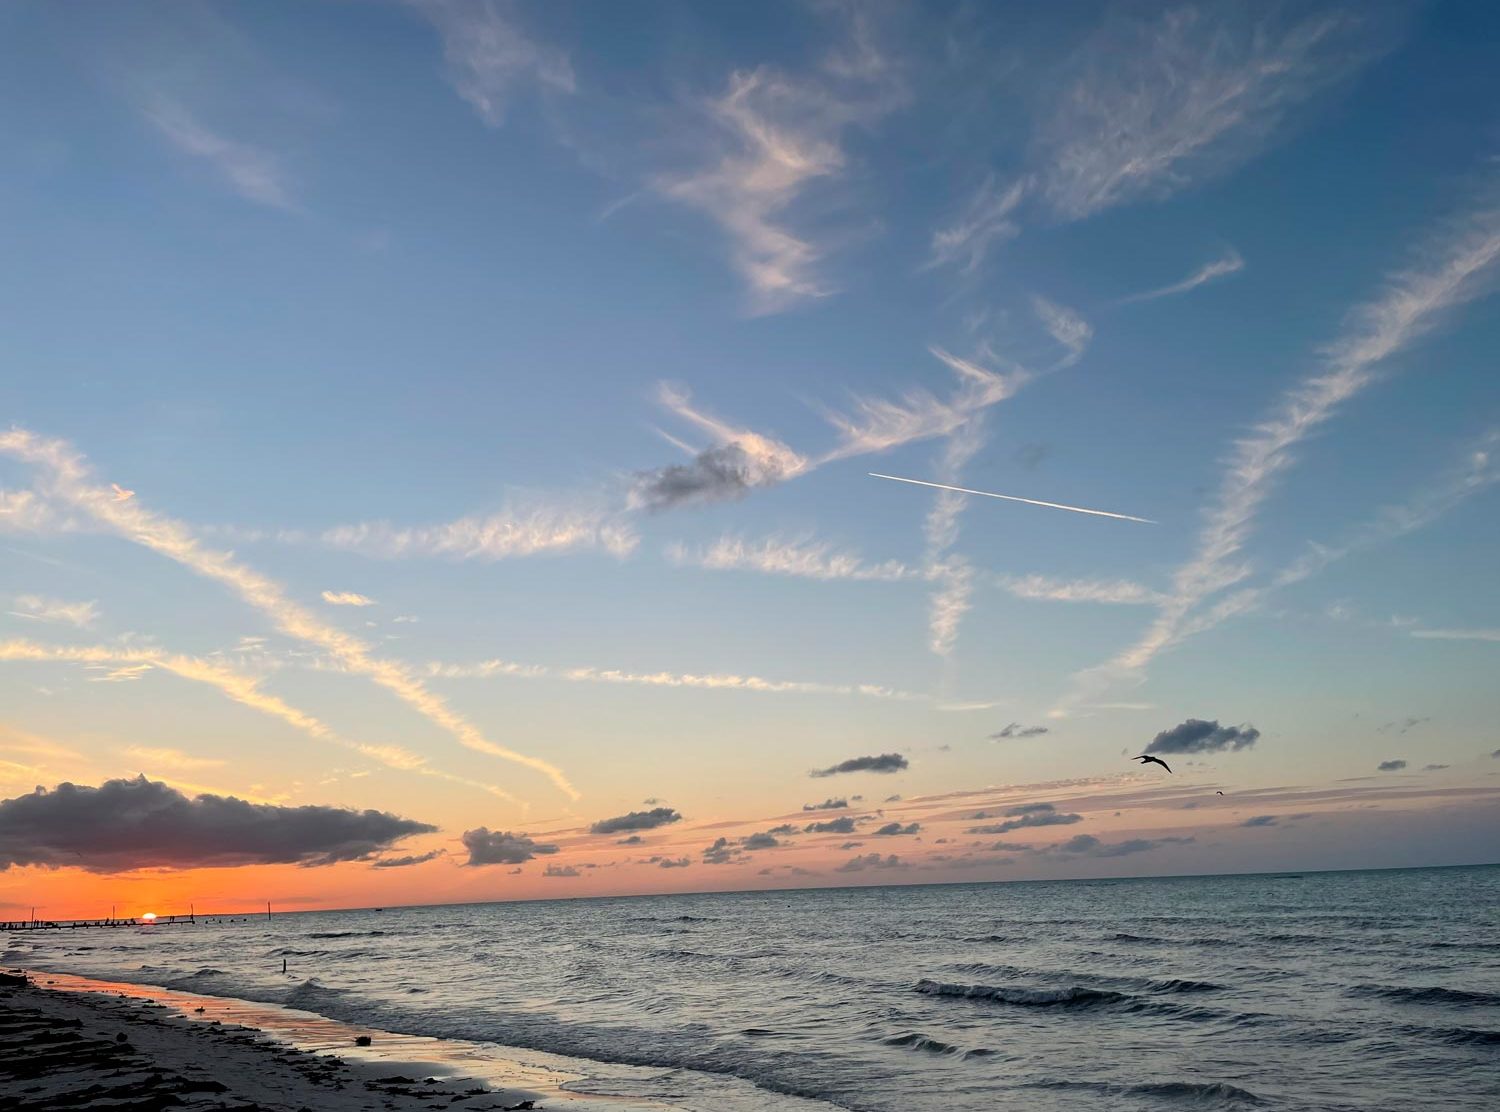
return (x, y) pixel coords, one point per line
(1144, 759)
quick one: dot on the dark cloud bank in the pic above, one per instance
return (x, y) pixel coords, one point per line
(143, 824)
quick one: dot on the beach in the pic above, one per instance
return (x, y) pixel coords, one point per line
(77, 1042)
(1332, 992)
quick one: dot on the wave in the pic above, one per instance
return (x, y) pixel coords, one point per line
(1183, 984)
(924, 1043)
(346, 934)
(1074, 996)
(1196, 1092)
(1430, 994)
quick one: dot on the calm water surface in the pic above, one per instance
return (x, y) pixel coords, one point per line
(1334, 991)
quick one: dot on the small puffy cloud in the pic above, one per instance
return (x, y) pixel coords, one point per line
(892, 828)
(1199, 736)
(1015, 729)
(1006, 847)
(1260, 820)
(501, 847)
(1433, 768)
(410, 859)
(560, 870)
(885, 762)
(720, 474)
(633, 840)
(637, 820)
(893, 799)
(871, 861)
(1391, 766)
(720, 853)
(826, 805)
(672, 862)
(347, 598)
(762, 840)
(841, 825)
(784, 828)
(139, 824)
(1044, 818)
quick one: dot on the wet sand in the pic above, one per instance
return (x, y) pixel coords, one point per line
(74, 1042)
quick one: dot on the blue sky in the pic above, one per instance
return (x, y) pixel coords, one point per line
(564, 336)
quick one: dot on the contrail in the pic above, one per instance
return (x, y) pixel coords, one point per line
(1012, 498)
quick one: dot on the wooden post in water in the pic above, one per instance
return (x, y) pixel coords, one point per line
(268, 910)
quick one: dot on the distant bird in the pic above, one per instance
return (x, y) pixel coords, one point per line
(1216, 793)
(121, 494)
(1144, 758)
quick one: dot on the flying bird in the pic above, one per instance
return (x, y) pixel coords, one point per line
(1216, 793)
(1013, 498)
(1144, 758)
(121, 494)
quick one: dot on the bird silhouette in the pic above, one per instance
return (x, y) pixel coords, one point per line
(1218, 793)
(1144, 758)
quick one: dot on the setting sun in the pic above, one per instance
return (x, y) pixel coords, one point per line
(149, 917)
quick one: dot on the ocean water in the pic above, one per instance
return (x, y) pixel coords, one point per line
(1332, 991)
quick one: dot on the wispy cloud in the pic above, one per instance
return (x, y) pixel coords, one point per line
(171, 758)
(347, 598)
(879, 424)
(985, 221)
(1476, 472)
(505, 535)
(1069, 330)
(65, 477)
(1452, 270)
(952, 574)
(802, 558)
(775, 135)
(254, 174)
(39, 609)
(1457, 634)
(1042, 588)
(1229, 263)
(1161, 101)
(488, 55)
(713, 681)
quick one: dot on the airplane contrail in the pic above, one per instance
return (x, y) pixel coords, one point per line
(1013, 498)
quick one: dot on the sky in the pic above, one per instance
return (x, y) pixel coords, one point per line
(437, 446)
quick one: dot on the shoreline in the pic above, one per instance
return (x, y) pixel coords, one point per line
(79, 1041)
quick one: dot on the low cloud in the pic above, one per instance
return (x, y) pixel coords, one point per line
(501, 847)
(1030, 809)
(1015, 729)
(720, 474)
(1391, 766)
(871, 861)
(826, 805)
(1260, 820)
(892, 828)
(410, 859)
(672, 862)
(637, 820)
(139, 824)
(560, 870)
(1087, 845)
(763, 840)
(633, 840)
(1433, 768)
(886, 762)
(1199, 736)
(1044, 818)
(842, 825)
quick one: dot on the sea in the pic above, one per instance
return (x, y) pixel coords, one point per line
(1333, 992)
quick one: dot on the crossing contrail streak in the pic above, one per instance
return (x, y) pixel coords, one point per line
(1013, 498)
